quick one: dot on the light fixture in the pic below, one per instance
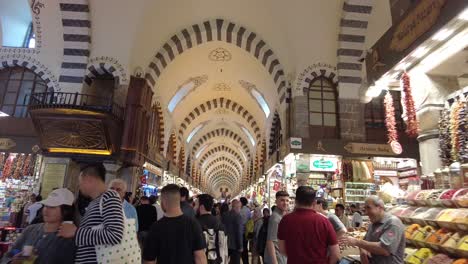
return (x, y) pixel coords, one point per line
(421, 51)
(442, 34)
(464, 15)
(451, 47)
(2, 114)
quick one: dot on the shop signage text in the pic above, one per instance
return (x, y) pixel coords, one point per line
(418, 21)
(7, 143)
(321, 164)
(387, 173)
(296, 143)
(370, 149)
(154, 169)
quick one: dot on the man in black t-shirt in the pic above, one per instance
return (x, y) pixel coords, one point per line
(147, 215)
(204, 206)
(176, 238)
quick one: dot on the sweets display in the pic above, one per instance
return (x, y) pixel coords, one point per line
(419, 256)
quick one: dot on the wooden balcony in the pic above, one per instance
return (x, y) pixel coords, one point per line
(76, 124)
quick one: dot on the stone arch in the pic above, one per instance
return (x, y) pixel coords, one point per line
(224, 167)
(351, 41)
(76, 22)
(222, 149)
(309, 74)
(32, 64)
(228, 166)
(223, 159)
(218, 133)
(218, 30)
(220, 103)
(275, 133)
(171, 148)
(105, 65)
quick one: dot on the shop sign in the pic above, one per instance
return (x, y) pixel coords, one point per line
(387, 173)
(303, 164)
(408, 173)
(322, 164)
(296, 143)
(416, 23)
(370, 149)
(154, 169)
(7, 143)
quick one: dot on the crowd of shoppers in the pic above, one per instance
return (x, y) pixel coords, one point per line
(177, 230)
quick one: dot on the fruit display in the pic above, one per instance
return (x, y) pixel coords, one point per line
(439, 259)
(411, 197)
(461, 198)
(426, 215)
(452, 241)
(422, 233)
(410, 230)
(420, 256)
(446, 198)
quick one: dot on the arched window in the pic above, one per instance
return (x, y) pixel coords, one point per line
(323, 108)
(16, 24)
(16, 85)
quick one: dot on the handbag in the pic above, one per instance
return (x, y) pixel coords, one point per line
(127, 252)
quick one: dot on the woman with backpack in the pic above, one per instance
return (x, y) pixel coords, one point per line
(260, 236)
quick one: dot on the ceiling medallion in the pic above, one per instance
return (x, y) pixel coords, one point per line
(222, 111)
(247, 85)
(220, 54)
(221, 87)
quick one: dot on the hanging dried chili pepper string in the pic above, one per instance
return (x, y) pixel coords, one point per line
(411, 123)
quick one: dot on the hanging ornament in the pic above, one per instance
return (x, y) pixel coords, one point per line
(390, 121)
(411, 122)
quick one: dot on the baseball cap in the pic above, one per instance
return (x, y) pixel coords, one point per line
(59, 197)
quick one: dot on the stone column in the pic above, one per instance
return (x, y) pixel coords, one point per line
(430, 93)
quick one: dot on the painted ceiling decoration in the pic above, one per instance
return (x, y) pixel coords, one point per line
(220, 103)
(218, 30)
(221, 132)
(220, 54)
(222, 149)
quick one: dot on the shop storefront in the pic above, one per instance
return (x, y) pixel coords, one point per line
(152, 179)
(426, 63)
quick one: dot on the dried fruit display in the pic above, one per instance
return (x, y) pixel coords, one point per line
(412, 125)
(7, 167)
(390, 121)
(445, 144)
(462, 132)
(454, 125)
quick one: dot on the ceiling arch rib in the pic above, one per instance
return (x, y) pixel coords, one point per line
(218, 30)
(223, 159)
(231, 159)
(214, 176)
(222, 132)
(220, 103)
(224, 149)
(223, 180)
(226, 177)
(223, 166)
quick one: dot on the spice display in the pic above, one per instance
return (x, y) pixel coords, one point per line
(19, 166)
(439, 259)
(445, 144)
(411, 123)
(390, 121)
(454, 125)
(2, 160)
(27, 166)
(462, 132)
(7, 167)
(419, 256)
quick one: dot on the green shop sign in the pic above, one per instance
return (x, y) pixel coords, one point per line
(324, 165)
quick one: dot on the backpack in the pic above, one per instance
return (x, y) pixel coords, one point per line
(216, 246)
(262, 237)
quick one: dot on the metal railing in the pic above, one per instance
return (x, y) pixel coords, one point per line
(75, 101)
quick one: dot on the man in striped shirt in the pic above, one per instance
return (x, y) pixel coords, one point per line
(89, 234)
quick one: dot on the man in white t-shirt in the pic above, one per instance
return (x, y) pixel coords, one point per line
(357, 217)
(154, 201)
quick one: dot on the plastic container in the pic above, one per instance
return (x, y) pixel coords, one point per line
(433, 198)
(445, 198)
(456, 180)
(460, 198)
(411, 197)
(406, 214)
(421, 198)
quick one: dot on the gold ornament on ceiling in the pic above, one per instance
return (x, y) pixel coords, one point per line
(221, 87)
(220, 54)
(198, 80)
(71, 134)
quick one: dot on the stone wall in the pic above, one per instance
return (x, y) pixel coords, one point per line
(352, 124)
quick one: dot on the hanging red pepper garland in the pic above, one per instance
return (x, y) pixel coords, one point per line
(390, 121)
(411, 123)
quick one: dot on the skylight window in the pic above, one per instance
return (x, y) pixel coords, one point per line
(194, 132)
(246, 131)
(200, 151)
(183, 91)
(261, 101)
